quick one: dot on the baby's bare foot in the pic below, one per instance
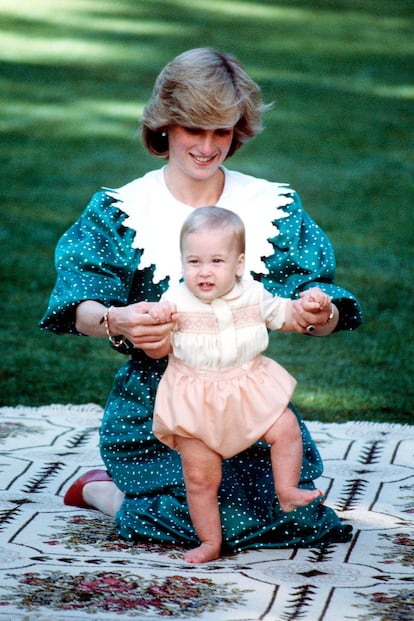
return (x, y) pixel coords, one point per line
(294, 497)
(204, 553)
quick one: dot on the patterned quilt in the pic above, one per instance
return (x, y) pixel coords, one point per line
(62, 563)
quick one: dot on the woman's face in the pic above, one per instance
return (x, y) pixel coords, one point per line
(196, 152)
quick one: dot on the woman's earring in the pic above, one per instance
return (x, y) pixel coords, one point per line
(163, 134)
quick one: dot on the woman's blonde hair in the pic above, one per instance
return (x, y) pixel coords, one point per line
(206, 89)
(211, 218)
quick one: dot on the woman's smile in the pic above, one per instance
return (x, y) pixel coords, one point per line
(205, 147)
(203, 159)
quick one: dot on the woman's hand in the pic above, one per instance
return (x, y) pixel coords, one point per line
(147, 325)
(313, 313)
(134, 322)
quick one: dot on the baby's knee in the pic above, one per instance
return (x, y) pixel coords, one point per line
(286, 428)
(198, 478)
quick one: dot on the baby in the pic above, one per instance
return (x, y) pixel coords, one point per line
(219, 394)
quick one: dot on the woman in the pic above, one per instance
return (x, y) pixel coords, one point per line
(123, 253)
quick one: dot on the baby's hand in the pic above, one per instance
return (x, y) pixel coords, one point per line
(315, 300)
(163, 312)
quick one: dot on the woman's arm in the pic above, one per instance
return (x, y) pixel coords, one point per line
(304, 257)
(96, 268)
(133, 322)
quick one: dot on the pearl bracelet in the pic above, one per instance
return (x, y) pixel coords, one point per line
(116, 341)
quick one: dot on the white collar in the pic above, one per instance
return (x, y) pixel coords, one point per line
(156, 217)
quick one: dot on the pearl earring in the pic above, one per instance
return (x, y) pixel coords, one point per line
(163, 134)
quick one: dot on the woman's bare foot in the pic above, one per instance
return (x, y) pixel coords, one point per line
(204, 553)
(294, 497)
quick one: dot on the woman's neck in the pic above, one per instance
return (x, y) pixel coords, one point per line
(195, 192)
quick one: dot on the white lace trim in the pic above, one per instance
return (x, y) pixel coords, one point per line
(156, 217)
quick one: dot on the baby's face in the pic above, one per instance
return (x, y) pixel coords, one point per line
(211, 263)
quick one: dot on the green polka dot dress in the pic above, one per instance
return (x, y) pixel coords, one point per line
(124, 249)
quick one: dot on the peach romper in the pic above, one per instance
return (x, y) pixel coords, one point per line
(217, 386)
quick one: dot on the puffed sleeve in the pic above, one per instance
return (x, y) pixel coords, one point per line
(274, 310)
(303, 257)
(94, 260)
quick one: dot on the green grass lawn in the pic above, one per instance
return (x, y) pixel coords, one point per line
(74, 81)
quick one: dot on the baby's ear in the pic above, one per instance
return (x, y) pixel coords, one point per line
(240, 265)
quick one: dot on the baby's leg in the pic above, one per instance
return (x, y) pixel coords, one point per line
(202, 476)
(286, 453)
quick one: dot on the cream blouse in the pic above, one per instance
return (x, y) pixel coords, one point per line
(227, 332)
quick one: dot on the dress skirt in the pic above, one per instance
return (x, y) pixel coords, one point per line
(228, 409)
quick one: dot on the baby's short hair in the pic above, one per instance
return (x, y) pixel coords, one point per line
(212, 218)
